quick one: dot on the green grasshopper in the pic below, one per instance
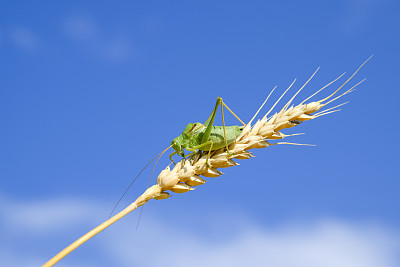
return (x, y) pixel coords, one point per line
(204, 137)
(207, 137)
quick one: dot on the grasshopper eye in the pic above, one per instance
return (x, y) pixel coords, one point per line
(176, 144)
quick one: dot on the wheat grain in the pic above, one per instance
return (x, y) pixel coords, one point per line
(186, 175)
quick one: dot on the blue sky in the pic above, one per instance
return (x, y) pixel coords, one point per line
(90, 92)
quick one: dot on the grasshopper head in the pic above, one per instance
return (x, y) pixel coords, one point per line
(177, 146)
(182, 141)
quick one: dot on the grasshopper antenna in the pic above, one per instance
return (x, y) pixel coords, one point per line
(137, 176)
(148, 184)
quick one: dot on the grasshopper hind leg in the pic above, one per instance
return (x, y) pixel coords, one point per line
(205, 140)
(223, 123)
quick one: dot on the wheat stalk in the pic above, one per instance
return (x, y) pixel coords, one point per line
(185, 175)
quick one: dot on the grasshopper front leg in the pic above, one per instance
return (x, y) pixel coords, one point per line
(170, 157)
(193, 150)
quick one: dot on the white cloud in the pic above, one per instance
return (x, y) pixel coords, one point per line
(24, 38)
(81, 28)
(324, 242)
(23, 223)
(357, 13)
(114, 46)
(45, 216)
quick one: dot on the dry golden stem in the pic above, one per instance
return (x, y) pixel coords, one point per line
(150, 193)
(185, 175)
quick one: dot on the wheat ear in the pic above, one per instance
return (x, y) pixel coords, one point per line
(185, 175)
